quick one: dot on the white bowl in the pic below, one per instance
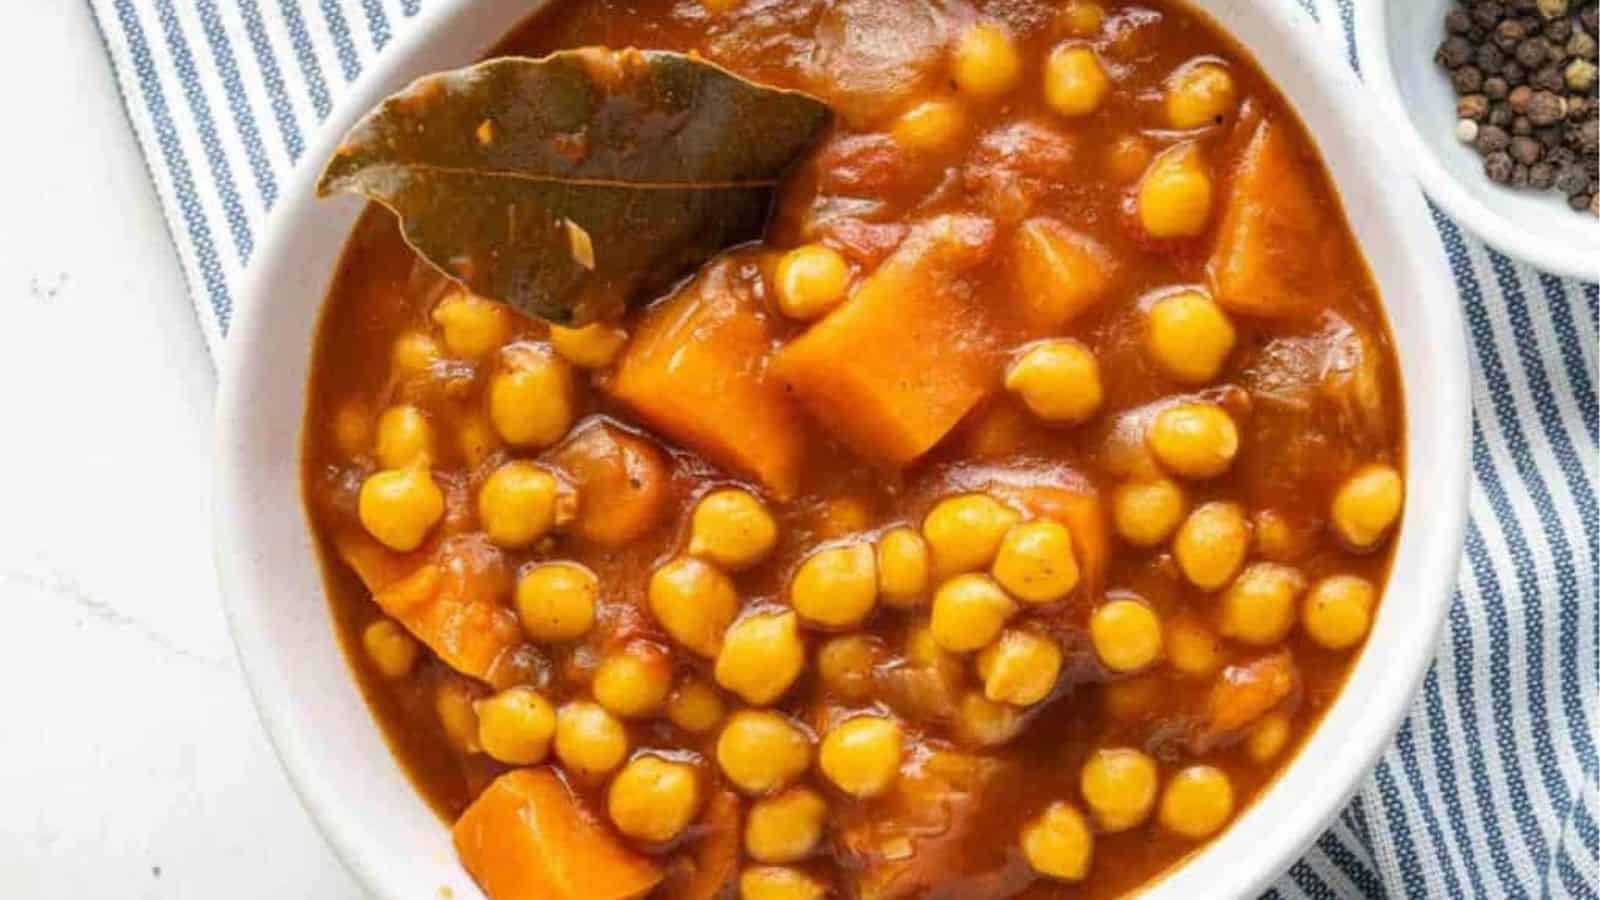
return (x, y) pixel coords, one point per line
(332, 748)
(1416, 107)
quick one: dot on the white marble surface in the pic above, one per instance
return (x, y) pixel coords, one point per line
(131, 762)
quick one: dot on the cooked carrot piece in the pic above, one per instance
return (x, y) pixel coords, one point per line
(622, 482)
(1272, 256)
(527, 837)
(1060, 273)
(696, 370)
(896, 366)
(453, 606)
(1247, 692)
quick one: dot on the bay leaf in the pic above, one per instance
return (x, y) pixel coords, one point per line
(567, 184)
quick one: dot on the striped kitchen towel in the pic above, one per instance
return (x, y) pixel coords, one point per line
(1490, 789)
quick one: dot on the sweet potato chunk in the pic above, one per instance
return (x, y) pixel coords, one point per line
(1243, 694)
(1059, 273)
(376, 565)
(696, 370)
(903, 360)
(453, 605)
(1272, 250)
(622, 482)
(527, 838)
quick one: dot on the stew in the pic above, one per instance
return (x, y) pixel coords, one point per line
(996, 526)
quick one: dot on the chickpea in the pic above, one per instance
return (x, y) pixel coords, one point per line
(531, 402)
(1019, 668)
(695, 706)
(761, 656)
(1146, 512)
(1191, 648)
(1211, 544)
(1079, 18)
(1132, 699)
(352, 428)
(1127, 158)
(1126, 635)
(861, 756)
(1338, 611)
(987, 62)
(591, 346)
(556, 601)
(836, 587)
(1277, 538)
(1175, 194)
(1075, 84)
(634, 682)
(414, 353)
(1119, 785)
(982, 722)
(902, 567)
(931, 126)
(516, 726)
(845, 664)
(968, 612)
(694, 602)
(476, 439)
(811, 281)
(1195, 439)
(1035, 563)
(1199, 95)
(1259, 607)
(965, 532)
(732, 529)
(473, 326)
(777, 882)
(405, 438)
(1189, 336)
(1058, 844)
(761, 751)
(1267, 738)
(391, 648)
(589, 740)
(1058, 380)
(922, 650)
(517, 504)
(1198, 800)
(653, 799)
(786, 827)
(400, 506)
(454, 702)
(1367, 505)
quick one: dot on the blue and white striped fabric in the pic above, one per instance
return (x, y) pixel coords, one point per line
(1491, 789)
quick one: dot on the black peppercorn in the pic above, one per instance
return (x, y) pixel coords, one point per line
(1541, 176)
(1500, 114)
(1489, 58)
(1546, 78)
(1495, 88)
(1467, 79)
(1513, 73)
(1492, 138)
(1590, 17)
(1498, 167)
(1557, 29)
(1507, 35)
(1561, 157)
(1521, 125)
(1545, 108)
(1454, 52)
(1532, 52)
(1571, 180)
(1488, 13)
(1526, 150)
(1552, 136)
(1457, 20)
(1589, 138)
(1579, 202)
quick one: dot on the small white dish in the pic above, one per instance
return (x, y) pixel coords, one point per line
(1395, 43)
(309, 700)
